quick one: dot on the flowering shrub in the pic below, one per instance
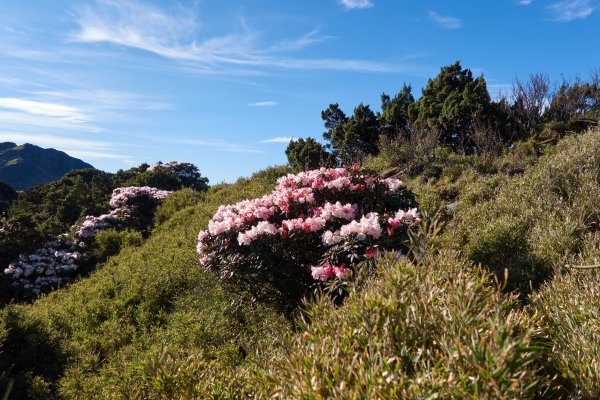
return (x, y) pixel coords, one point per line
(186, 173)
(58, 261)
(316, 226)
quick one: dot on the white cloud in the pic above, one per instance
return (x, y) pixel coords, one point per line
(354, 4)
(52, 110)
(263, 104)
(54, 140)
(220, 145)
(279, 139)
(569, 10)
(525, 2)
(174, 36)
(72, 108)
(445, 21)
(103, 99)
(97, 155)
(19, 119)
(303, 41)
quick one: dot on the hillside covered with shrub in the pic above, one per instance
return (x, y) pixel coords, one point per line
(496, 297)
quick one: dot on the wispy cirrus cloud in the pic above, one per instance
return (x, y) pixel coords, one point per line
(18, 112)
(263, 104)
(279, 139)
(103, 99)
(356, 4)
(52, 110)
(570, 10)
(73, 109)
(525, 2)
(175, 36)
(445, 21)
(219, 145)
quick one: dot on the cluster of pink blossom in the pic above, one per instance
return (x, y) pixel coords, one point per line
(123, 197)
(402, 217)
(327, 271)
(121, 202)
(187, 173)
(260, 229)
(48, 266)
(57, 261)
(328, 203)
(91, 224)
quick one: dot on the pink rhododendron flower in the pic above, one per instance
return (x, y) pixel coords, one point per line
(371, 253)
(263, 228)
(55, 263)
(311, 212)
(328, 271)
(367, 226)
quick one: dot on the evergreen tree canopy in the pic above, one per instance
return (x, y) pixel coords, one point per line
(351, 138)
(306, 154)
(394, 118)
(452, 103)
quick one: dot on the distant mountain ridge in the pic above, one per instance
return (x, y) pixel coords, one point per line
(27, 165)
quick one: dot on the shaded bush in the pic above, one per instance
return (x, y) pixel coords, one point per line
(31, 358)
(7, 196)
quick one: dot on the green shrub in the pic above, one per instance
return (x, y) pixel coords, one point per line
(109, 242)
(570, 305)
(502, 245)
(176, 202)
(520, 157)
(535, 223)
(439, 330)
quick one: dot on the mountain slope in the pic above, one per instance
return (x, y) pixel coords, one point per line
(27, 165)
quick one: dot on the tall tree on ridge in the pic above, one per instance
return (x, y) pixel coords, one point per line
(452, 103)
(351, 138)
(394, 119)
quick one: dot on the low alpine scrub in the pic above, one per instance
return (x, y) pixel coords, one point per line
(570, 305)
(531, 225)
(440, 329)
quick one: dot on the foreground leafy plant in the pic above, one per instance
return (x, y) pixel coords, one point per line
(441, 330)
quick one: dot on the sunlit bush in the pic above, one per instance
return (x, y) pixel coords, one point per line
(317, 226)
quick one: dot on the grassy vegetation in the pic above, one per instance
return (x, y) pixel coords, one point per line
(437, 330)
(150, 323)
(571, 312)
(537, 222)
(96, 337)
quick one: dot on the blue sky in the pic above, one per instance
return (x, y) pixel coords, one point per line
(225, 83)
